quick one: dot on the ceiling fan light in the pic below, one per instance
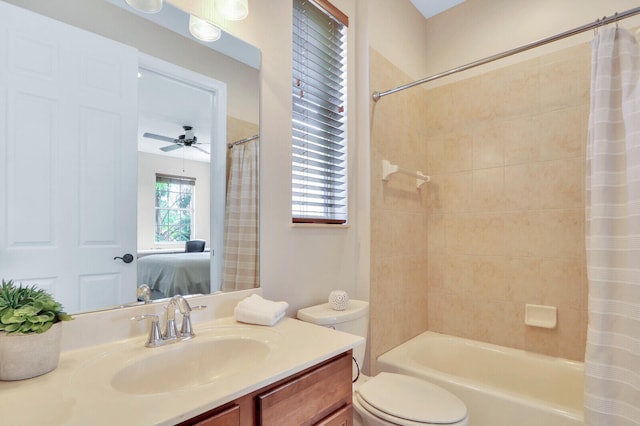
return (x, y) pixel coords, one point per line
(147, 6)
(203, 30)
(189, 133)
(233, 10)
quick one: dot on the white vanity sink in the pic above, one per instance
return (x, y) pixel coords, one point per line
(214, 354)
(107, 376)
(195, 364)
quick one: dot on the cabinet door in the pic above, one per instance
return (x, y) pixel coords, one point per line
(309, 398)
(228, 417)
(343, 417)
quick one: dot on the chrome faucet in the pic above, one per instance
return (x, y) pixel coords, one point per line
(171, 334)
(144, 293)
(171, 329)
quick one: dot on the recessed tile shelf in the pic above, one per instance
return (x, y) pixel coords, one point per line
(540, 316)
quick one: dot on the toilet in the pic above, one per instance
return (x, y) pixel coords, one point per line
(388, 398)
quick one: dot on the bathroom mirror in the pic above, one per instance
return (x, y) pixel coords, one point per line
(232, 62)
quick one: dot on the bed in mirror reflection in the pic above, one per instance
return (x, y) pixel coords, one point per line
(169, 274)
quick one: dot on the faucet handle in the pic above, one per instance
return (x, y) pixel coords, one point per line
(155, 337)
(186, 331)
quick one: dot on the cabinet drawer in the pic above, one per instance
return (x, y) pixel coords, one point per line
(309, 398)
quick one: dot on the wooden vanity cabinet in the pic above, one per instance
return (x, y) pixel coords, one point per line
(229, 416)
(320, 395)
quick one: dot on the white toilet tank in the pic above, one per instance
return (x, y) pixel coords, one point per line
(353, 320)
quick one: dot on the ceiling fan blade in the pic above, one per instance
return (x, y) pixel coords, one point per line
(171, 147)
(200, 149)
(159, 137)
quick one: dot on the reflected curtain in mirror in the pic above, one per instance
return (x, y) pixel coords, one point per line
(241, 262)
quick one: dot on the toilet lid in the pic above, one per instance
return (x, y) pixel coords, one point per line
(412, 399)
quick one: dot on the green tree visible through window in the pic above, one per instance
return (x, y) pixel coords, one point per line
(174, 209)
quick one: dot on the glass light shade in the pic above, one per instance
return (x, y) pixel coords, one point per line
(147, 6)
(233, 10)
(203, 30)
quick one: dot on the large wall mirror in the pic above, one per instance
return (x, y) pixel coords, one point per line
(185, 167)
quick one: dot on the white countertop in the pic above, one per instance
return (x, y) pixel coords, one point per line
(78, 393)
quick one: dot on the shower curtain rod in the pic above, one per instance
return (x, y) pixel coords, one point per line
(241, 141)
(593, 25)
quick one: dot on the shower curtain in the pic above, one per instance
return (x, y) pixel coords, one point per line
(241, 265)
(612, 359)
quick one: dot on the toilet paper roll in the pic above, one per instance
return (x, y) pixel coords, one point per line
(338, 300)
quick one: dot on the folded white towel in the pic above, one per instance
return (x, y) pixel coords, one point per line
(256, 310)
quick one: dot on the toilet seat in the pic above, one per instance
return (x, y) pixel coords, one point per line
(409, 401)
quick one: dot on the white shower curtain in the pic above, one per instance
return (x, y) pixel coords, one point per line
(241, 262)
(612, 359)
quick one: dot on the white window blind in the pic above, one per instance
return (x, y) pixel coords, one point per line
(319, 164)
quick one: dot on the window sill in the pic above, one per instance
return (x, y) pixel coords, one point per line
(321, 225)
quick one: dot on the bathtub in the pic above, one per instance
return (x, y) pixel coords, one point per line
(500, 386)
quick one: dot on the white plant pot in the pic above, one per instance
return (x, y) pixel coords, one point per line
(23, 356)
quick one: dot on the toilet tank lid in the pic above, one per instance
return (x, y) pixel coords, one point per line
(324, 315)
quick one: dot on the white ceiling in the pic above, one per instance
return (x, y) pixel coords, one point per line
(429, 8)
(164, 106)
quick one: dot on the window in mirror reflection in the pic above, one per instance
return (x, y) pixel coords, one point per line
(174, 208)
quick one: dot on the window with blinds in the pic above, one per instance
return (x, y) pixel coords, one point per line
(319, 147)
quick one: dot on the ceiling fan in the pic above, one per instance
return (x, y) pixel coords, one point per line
(188, 139)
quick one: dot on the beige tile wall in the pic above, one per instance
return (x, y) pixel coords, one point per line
(504, 211)
(398, 293)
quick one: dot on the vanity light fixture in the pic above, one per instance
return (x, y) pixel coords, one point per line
(147, 6)
(203, 30)
(233, 10)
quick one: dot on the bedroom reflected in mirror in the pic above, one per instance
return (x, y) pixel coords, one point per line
(176, 201)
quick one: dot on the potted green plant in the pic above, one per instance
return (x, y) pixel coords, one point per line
(30, 331)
